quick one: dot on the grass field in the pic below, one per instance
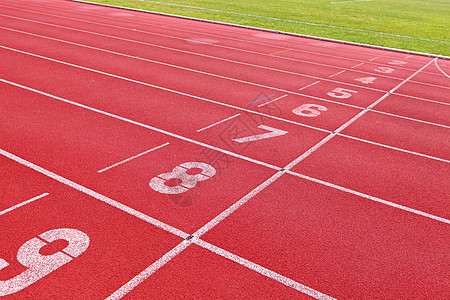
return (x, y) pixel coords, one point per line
(416, 25)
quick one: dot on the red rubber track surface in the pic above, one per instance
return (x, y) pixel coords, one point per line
(152, 157)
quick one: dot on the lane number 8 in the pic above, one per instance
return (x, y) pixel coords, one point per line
(181, 179)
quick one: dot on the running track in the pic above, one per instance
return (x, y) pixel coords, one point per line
(152, 157)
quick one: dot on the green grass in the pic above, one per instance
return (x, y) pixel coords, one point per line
(422, 25)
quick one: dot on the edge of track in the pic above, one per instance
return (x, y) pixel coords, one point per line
(268, 30)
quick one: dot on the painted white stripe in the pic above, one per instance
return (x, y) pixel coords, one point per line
(141, 125)
(300, 22)
(276, 99)
(309, 85)
(263, 271)
(224, 120)
(138, 279)
(215, 35)
(336, 74)
(187, 69)
(355, 66)
(224, 214)
(162, 88)
(131, 158)
(202, 33)
(95, 195)
(439, 68)
(192, 53)
(372, 59)
(372, 198)
(411, 119)
(394, 148)
(23, 203)
(350, 1)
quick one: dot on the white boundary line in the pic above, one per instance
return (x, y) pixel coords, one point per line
(240, 26)
(355, 66)
(439, 68)
(227, 60)
(268, 102)
(309, 85)
(181, 93)
(263, 271)
(220, 36)
(204, 55)
(23, 203)
(340, 72)
(372, 198)
(224, 120)
(177, 136)
(95, 195)
(138, 279)
(131, 158)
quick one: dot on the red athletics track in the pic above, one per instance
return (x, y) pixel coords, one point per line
(152, 157)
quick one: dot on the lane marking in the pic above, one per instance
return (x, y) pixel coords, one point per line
(411, 119)
(138, 279)
(95, 195)
(131, 158)
(331, 76)
(279, 52)
(372, 198)
(114, 44)
(224, 120)
(442, 71)
(357, 65)
(199, 54)
(372, 59)
(165, 89)
(352, 1)
(191, 31)
(23, 203)
(142, 125)
(268, 102)
(263, 271)
(305, 23)
(309, 85)
(262, 98)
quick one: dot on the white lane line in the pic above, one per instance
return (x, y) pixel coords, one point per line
(309, 85)
(372, 198)
(355, 66)
(372, 59)
(95, 195)
(352, 1)
(442, 71)
(23, 203)
(131, 158)
(411, 119)
(276, 99)
(188, 69)
(198, 54)
(138, 279)
(263, 271)
(142, 125)
(166, 89)
(224, 120)
(394, 148)
(205, 55)
(224, 214)
(331, 76)
(202, 33)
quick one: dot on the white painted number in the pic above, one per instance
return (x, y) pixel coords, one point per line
(384, 70)
(273, 132)
(38, 265)
(309, 110)
(180, 179)
(397, 62)
(341, 93)
(366, 80)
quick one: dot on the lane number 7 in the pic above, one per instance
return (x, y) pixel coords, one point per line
(273, 132)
